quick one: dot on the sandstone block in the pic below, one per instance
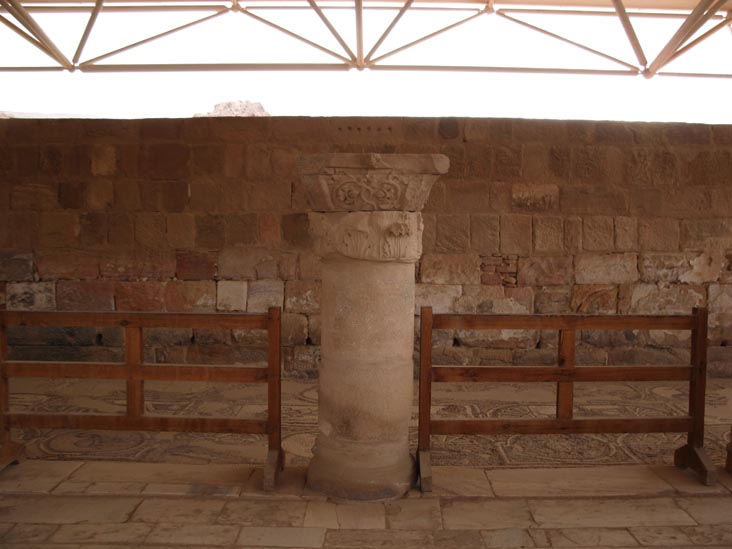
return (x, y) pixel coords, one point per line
(552, 300)
(264, 294)
(598, 234)
(720, 298)
(247, 263)
(440, 297)
(453, 233)
(180, 229)
(545, 271)
(306, 360)
(100, 195)
(467, 195)
(268, 225)
(209, 231)
(58, 229)
(103, 160)
(536, 197)
(314, 331)
(93, 230)
(548, 234)
(507, 163)
(15, 266)
(516, 234)
(593, 201)
(294, 329)
(450, 269)
(164, 161)
(231, 295)
(241, 229)
(663, 267)
(190, 296)
(139, 296)
(484, 233)
(658, 234)
(594, 299)
(606, 268)
(626, 234)
(121, 230)
(94, 295)
(302, 296)
(703, 234)
(269, 196)
(31, 296)
(151, 264)
(481, 299)
(296, 230)
(676, 299)
(150, 230)
(573, 235)
(34, 196)
(191, 265)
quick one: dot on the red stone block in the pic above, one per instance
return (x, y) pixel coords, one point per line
(23, 229)
(34, 196)
(66, 264)
(191, 265)
(58, 229)
(121, 230)
(139, 296)
(209, 231)
(93, 230)
(150, 264)
(190, 296)
(97, 295)
(71, 194)
(164, 161)
(241, 229)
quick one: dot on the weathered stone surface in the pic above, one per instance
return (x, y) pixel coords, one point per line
(598, 234)
(190, 265)
(552, 300)
(380, 236)
(545, 271)
(31, 296)
(548, 234)
(15, 266)
(95, 295)
(245, 263)
(453, 233)
(720, 298)
(441, 297)
(658, 234)
(294, 329)
(302, 296)
(704, 234)
(606, 268)
(705, 267)
(231, 295)
(626, 234)
(594, 299)
(516, 234)
(58, 229)
(190, 296)
(536, 197)
(366, 182)
(485, 233)
(139, 296)
(180, 229)
(140, 264)
(450, 269)
(264, 294)
(654, 299)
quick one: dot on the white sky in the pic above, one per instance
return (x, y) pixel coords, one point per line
(370, 93)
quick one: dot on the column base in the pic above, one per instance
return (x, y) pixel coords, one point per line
(361, 471)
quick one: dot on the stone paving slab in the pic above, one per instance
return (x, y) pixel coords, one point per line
(580, 481)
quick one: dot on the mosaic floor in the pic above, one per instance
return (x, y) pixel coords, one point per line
(453, 400)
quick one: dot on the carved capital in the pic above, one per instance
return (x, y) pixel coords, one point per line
(373, 236)
(368, 182)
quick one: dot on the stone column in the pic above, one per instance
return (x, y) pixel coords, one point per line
(367, 228)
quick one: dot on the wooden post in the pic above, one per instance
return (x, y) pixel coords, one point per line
(565, 389)
(10, 451)
(133, 359)
(425, 399)
(692, 454)
(275, 460)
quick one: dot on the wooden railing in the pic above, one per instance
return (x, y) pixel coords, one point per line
(565, 374)
(135, 371)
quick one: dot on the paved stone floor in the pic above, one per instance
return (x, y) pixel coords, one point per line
(107, 490)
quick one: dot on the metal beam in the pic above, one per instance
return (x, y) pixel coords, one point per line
(25, 19)
(426, 37)
(332, 29)
(630, 32)
(152, 38)
(719, 26)
(388, 30)
(568, 41)
(359, 34)
(87, 31)
(700, 14)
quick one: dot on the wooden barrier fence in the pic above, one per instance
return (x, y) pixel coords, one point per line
(565, 374)
(135, 371)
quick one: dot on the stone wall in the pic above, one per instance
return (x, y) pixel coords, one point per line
(533, 216)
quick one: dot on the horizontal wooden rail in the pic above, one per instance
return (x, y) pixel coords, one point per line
(556, 374)
(561, 322)
(135, 372)
(559, 426)
(565, 374)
